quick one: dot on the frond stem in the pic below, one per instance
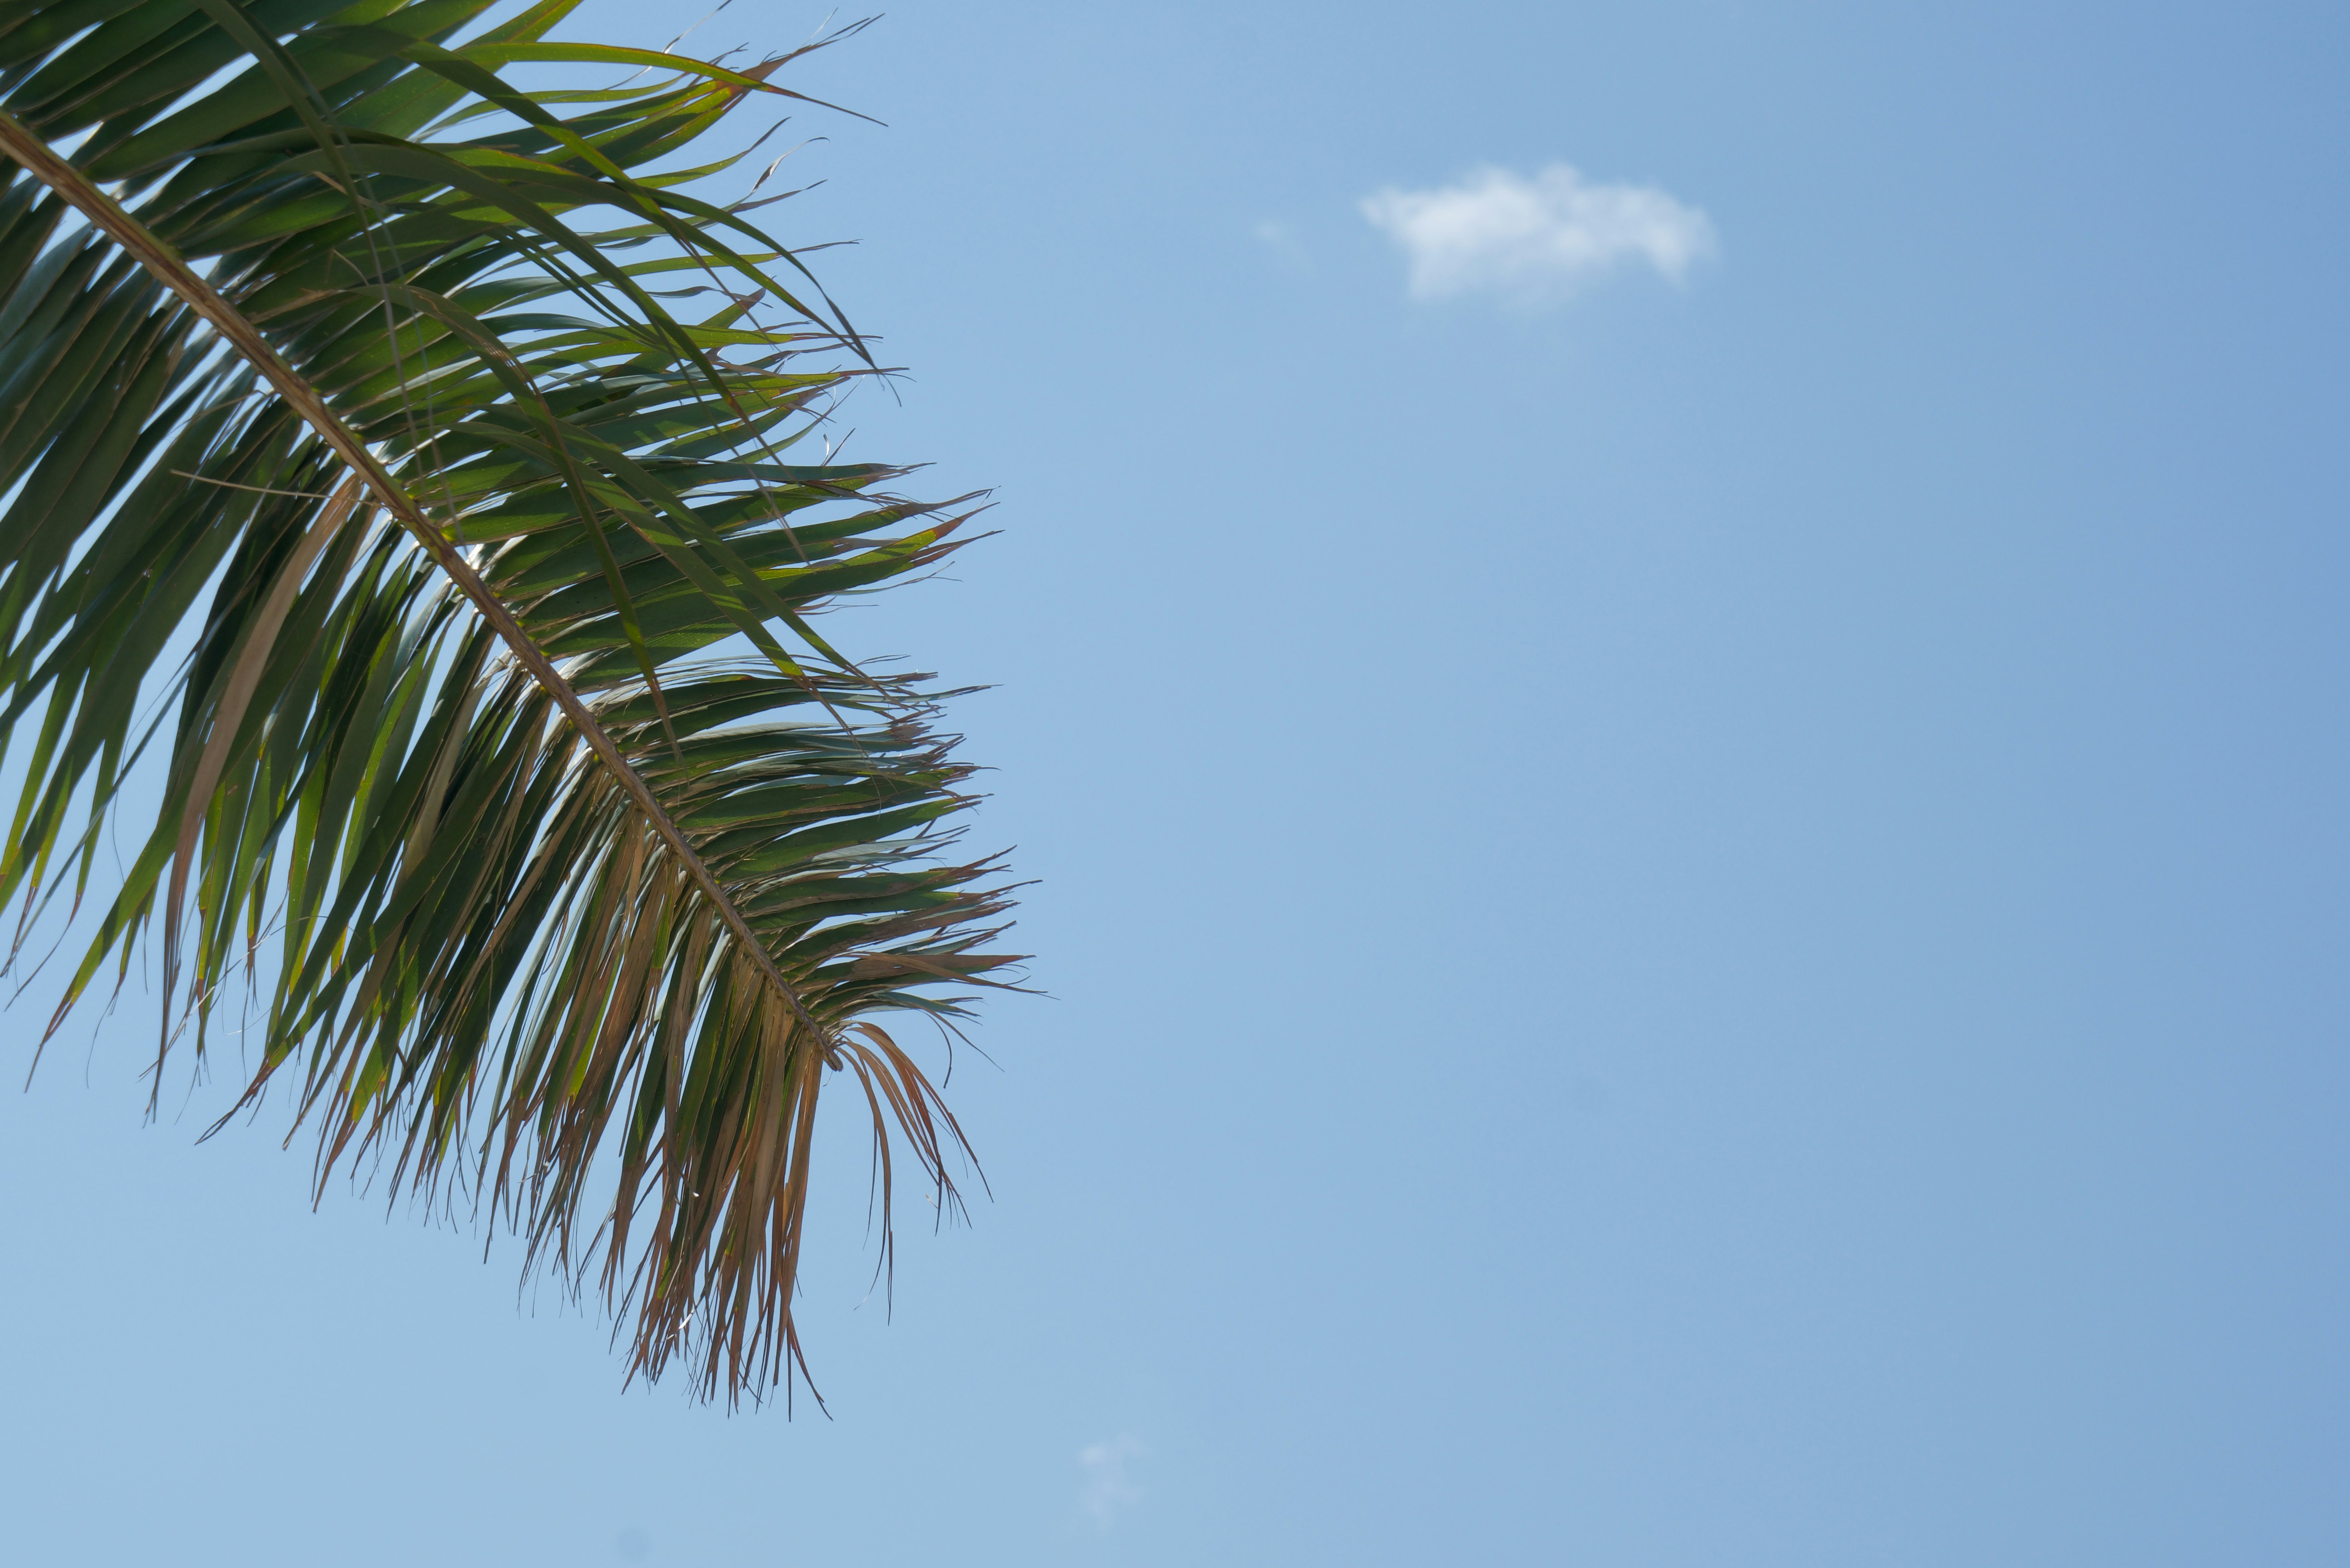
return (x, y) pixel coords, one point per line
(44, 164)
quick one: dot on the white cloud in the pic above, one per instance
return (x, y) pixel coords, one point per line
(1107, 1486)
(1539, 239)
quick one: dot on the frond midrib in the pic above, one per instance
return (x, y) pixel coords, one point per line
(164, 264)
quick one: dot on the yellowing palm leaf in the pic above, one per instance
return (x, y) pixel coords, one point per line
(322, 344)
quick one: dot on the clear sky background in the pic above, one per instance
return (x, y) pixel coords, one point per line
(1692, 924)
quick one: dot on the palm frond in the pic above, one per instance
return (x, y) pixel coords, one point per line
(339, 400)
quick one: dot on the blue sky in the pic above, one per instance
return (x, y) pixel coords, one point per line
(1692, 920)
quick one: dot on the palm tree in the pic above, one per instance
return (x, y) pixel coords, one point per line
(396, 466)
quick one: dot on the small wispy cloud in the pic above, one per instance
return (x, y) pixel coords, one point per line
(1282, 240)
(1108, 1488)
(1537, 241)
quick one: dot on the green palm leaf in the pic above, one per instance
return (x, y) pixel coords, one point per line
(327, 348)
